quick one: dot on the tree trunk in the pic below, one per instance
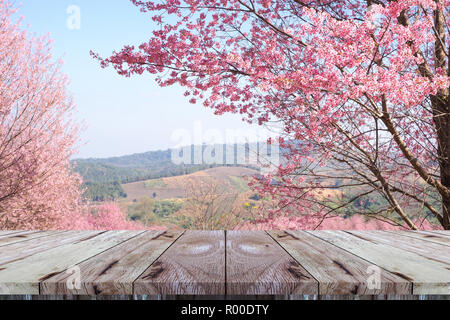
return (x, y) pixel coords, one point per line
(445, 178)
(441, 113)
(446, 212)
(441, 108)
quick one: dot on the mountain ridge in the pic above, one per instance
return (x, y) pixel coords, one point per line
(103, 177)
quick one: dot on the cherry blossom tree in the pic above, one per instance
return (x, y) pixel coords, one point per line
(105, 216)
(357, 90)
(37, 133)
(332, 223)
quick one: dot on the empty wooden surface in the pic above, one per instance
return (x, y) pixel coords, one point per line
(4, 233)
(23, 236)
(432, 237)
(338, 271)
(23, 276)
(224, 263)
(257, 265)
(440, 232)
(427, 275)
(426, 249)
(17, 251)
(113, 271)
(194, 265)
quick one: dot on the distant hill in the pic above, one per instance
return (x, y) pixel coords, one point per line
(103, 178)
(179, 201)
(230, 179)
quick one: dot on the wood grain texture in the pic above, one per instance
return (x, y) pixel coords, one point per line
(23, 236)
(426, 249)
(338, 271)
(428, 276)
(431, 237)
(5, 233)
(11, 234)
(23, 276)
(441, 232)
(114, 271)
(21, 250)
(193, 265)
(257, 265)
(215, 263)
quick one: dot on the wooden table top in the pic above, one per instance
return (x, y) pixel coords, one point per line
(224, 263)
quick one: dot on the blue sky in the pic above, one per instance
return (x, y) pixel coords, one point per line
(122, 115)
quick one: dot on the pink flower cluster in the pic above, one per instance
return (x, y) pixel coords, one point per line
(107, 216)
(333, 223)
(38, 190)
(352, 81)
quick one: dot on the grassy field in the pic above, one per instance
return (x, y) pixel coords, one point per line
(219, 198)
(231, 179)
(183, 201)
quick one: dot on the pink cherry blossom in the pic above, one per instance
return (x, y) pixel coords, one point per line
(38, 135)
(359, 90)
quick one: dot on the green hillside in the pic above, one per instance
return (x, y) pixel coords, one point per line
(103, 178)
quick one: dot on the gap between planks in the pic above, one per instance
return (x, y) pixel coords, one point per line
(194, 265)
(133, 234)
(18, 278)
(439, 238)
(338, 271)
(178, 238)
(226, 253)
(427, 275)
(409, 291)
(23, 236)
(115, 270)
(258, 265)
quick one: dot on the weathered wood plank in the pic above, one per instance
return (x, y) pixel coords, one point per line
(338, 271)
(257, 265)
(23, 276)
(24, 236)
(428, 276)
(435, 238)
(441, 232)
(427, 249)
(9, 234)
(193, 265)
(5, 233)
(21, 250)
(114, 271)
